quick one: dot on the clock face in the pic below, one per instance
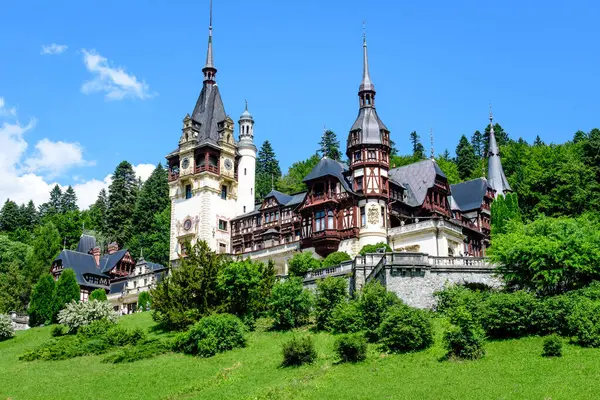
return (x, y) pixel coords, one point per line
(185, 163)
(228, 163)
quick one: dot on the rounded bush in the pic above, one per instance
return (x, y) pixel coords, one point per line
(330, 292)
(584, 322)
(405, 329)
(7, 330)
(299, 351)
(346, 317)
(214, 334)
(57, 330)
(98, 294)
(94, 329)
(552, 346)
(144, 301)
(290, 304)
(351, 347)
(508, 315)
(119, 336)
(374, 302)
(465, 339)
(77, 314)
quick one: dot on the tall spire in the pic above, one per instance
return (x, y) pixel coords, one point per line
(496, 178)
(209, 69)
(366, 84)
(431, 141)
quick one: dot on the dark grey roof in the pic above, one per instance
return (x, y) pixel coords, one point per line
(417, 178)
(86, 243)
(117, 287)
(281, 198)
(109, 261)
(496, 177)
(296, 199)
(208, 112)
(81, 264)
(330, 167)
(155, 266)
(370, 126)
(468, 195)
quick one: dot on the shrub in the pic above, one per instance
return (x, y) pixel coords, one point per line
(144, 301)
(41, 308)
(94, 329)
(119, 336)
(301, 263)
(550, 315)
(405, 329)
(351, 347)
(552, 346)
(452, 297)
(239, 282)
(373, 248)
(140, 352)
(67, 290)
(330, 292)
(335, 258)
(346, 317)
(57, 330)
(299, 351)
(374, 301)
(508, 315)
(214, 334)
(98, 294)
(465, 338)
(55, 349)
(584, 322)
(290, 304)
(7, 330)
(78, 314)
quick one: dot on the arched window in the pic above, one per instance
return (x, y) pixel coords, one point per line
(330, 220)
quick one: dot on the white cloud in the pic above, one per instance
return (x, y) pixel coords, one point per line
(114, 81)
(54, 158)
(143, 171)
(6, 111)
(53, 49)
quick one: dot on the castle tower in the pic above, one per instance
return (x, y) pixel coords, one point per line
(202, 170)
(368, 150)
(496, 178)
(247, 164)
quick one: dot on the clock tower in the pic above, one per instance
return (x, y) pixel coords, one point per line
(203, 171)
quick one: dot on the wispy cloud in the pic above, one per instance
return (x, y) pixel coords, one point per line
(6, 111)
(113, 81)
(53, 49)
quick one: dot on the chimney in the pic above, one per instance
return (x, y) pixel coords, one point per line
(113, 248)
(96, 254)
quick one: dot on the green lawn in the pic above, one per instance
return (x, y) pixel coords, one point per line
(511, 370)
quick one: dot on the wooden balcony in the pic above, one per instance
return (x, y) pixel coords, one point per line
(207, 168)
(173, 176)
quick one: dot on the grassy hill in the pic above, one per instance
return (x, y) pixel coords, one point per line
(512, 369)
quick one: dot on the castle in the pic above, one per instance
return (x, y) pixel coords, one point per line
(412, 208)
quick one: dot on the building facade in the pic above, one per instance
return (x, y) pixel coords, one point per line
(346, 206)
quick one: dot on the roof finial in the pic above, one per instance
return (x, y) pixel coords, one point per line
(431, 140)
(209, 69)
(364, 32)
(246, 104)
(366, 83)
(491, 118)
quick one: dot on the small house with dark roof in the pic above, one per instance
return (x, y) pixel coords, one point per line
(111, 271)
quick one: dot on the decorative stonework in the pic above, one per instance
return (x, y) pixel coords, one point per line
(373, 215)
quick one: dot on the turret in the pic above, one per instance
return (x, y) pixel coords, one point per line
(496, 178)
(247, 163)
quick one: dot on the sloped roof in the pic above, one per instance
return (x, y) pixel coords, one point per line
(109, 261)
(86, 243)
(329, 167)
(370, 126)
(80, 263)
(208, 112)
(297, 198)
(417, 178)
(117, 287)
(468, 195)
(281, 198)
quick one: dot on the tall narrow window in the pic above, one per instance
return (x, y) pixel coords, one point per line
(383, 217)
(188, 191)
(319, 221)
(244, 209)
(330, 220)
(224, 192)
(359, 183)
(244, 171)
(363, 217)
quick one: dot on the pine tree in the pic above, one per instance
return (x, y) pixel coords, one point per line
(267, 170)
(41, 309)
(393, 149)
(466, 160)
(330, 146)
(501, 137)
(14, 289)
(418, 149)
(477, 141)
(98, 212)
(10, 216)
(68, 201)
(30, 217)
(121, 204)
(153, 198)
(47, 243)
(538, 141)
(504, 209)
(67, 290)
(54, 205)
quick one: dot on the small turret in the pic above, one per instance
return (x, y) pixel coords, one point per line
(496, 178)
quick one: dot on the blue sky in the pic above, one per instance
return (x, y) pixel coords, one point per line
(131, 70)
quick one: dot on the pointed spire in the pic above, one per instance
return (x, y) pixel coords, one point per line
(209, 69)
(366, 84)
(496, 177)
(431, 140)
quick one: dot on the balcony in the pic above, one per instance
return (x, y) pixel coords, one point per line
(173, 176)
(207, 168)
(314, 199)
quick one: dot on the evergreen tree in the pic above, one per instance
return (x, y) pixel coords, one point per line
(466, 160)
(450, 169)
(10, 216)
(54, 205)
(46, 246)
(504, 209)
(538, 141)
(330, 146)
(393, 149)
(98, 294)
(68, 201)
(121, 204)
(67, 290)
(98, 212)
(41, 309)
(153, 198)
(477, 141)
(156, 241)
(579, 136)
(418, 149)
(591, 149)
(267, 170)
(501, 136)
(14, 289)
(30, 216)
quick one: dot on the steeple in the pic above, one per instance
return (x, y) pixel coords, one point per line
(209, 69)
(366, 91)
(496, 178)
(246, 124)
